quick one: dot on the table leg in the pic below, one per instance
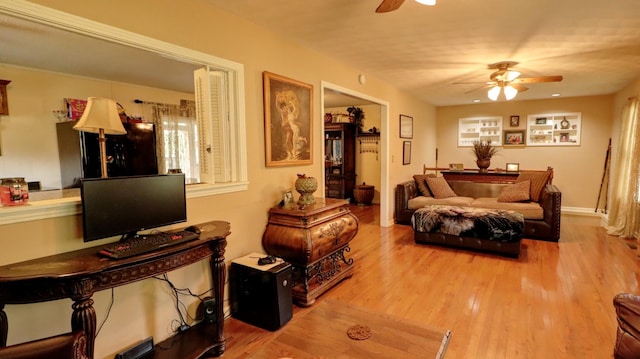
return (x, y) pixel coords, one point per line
(218, 274)
(84, 318)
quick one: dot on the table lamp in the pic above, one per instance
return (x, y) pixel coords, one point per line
(101, 117)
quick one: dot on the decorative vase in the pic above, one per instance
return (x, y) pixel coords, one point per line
(306, 186)
(483, 165)
(363, 194)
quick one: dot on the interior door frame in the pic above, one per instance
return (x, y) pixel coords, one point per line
(386, 215)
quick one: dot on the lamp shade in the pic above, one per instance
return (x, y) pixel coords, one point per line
(510, 92)
(494, 92)
(101, 113)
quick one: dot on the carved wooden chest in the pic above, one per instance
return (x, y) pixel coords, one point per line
(314, 239)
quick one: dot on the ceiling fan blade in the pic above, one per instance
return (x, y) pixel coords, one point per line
(520, 88)
(389, 5)
(475, 82)
(480, 88)
(533, 80)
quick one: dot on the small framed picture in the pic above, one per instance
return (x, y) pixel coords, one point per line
(514, 121)
(406, 152)
(541, 121)
(514, 138)
(406, 126)
(287, 199)
(456, 167)
(513, 167)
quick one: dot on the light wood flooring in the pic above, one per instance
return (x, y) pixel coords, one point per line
(555, 301)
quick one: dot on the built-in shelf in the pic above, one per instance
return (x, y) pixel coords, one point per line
(486, 129)
(554, 129)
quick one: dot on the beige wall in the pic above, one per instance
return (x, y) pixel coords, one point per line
(145, 309)
(577, 170)
(29, 141)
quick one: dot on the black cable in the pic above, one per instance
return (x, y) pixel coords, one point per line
(106, 315)
(176, 292)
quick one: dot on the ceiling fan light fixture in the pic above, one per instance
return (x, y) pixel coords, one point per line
(512, 75)
(510, 92)
(493, 93)
(427, 2)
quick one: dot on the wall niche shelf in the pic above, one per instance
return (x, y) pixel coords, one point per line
(554, 129)
(471, 129)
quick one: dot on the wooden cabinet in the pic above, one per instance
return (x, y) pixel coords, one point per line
(314, 239)
(484, 129)
(554, 129)
(339, 160)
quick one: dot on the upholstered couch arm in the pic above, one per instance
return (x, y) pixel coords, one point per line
(549, 227)
(628, 334)
(403, 193)
(70, 345)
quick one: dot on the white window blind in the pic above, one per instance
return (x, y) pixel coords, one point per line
(212, 115)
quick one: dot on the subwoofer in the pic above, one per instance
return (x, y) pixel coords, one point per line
(260, 294)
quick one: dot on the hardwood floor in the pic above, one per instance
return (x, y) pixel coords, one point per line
(555, 301)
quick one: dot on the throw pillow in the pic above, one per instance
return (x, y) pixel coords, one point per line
(538, 180)
(421, 181)
(440, 188)
(516, 192)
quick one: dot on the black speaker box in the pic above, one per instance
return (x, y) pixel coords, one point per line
(207, 310)
(260, 295)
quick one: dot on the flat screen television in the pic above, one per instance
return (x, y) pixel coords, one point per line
(126, 205)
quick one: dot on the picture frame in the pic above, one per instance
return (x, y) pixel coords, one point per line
(4, 102)
(287, 199)
(406, 126)
(541, 121)
(513, 167)
(288, 109)
(406, 152)
(456, 167)
(514, 121)
(514, 138)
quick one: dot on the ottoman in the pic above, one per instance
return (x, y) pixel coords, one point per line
(488, 230)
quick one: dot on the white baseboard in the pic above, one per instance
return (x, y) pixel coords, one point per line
(585, 212)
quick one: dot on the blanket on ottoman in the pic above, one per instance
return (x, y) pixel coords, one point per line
(469, 227)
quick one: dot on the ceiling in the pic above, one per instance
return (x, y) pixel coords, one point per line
(29, 44)
(423, 50)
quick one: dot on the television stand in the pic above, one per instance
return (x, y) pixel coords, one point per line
(79, 274)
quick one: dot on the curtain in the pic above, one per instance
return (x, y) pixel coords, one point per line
(625, 211)
(176, 137)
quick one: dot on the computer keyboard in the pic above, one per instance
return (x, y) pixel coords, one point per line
(146, 243)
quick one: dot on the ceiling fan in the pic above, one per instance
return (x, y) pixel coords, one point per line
(507, 81)
(391, 5)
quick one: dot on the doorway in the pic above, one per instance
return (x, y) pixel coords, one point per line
(337, 96)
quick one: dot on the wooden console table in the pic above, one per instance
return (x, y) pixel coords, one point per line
(79, 274)
(314, 240)
(475, 176)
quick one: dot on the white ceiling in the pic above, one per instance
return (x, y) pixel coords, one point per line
(29, 44)
(594, 44)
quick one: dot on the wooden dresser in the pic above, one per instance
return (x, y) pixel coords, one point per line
(314, 239)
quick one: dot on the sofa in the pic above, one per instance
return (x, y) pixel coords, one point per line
(627, 308)
(541, 210)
